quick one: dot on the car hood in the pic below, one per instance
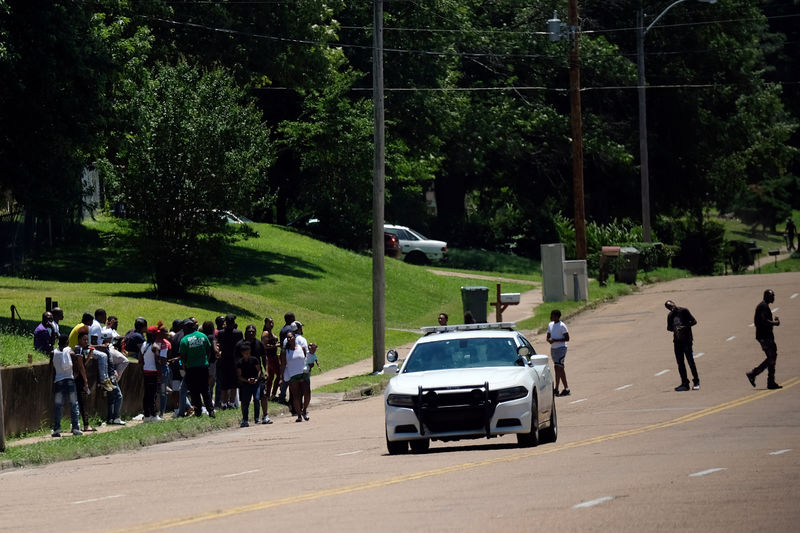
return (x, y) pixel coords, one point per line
(497, 377)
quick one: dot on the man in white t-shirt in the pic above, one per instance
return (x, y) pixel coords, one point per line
(558, 337)
(108, 337)
(100, 351)
(64, 390)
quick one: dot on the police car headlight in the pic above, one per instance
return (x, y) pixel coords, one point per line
(511, 393)
(400, 400)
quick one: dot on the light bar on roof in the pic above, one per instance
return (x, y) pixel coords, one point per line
(469, 327)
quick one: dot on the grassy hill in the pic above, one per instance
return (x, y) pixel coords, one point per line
(329, 289)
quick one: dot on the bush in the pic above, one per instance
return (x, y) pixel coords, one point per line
(702, 246)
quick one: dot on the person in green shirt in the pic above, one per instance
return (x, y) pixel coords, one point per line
(195, 350)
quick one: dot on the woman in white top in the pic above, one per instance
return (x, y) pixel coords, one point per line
(293, 362)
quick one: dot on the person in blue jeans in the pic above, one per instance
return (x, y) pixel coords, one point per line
(114, 399)
(64, 390)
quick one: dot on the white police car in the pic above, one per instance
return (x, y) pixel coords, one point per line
(470, 381)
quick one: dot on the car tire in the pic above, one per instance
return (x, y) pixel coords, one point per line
(420, 446)
(531, 439)
(396, 447)
(416, 258)
(550, 434)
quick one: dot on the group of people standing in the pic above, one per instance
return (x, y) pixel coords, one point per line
(193, 361)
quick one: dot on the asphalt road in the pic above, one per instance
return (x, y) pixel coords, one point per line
(632, 454)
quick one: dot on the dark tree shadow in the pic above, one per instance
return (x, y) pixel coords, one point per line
(197, 300)
(106, 257)
(92, 255)
(241, 266)
(20, 327)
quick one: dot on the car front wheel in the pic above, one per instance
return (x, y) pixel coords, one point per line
(420, 446)
(531, 439)
(396, 447)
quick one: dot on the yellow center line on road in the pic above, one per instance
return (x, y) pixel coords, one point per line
(337, 491)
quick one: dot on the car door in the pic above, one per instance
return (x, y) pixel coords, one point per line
(543, 377)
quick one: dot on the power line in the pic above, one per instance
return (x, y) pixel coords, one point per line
(434, 52)
(337, 44)
(545, 89)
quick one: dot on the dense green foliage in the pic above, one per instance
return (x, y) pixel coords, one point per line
(478, 133)
(192, 144)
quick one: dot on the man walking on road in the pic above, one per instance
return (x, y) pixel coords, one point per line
(764, 322)
(680, 322)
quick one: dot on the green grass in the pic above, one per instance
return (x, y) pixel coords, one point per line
(791, 264)
(328, 289)
(495, 262)
(659, 275)
(735, 230)
(127, 438)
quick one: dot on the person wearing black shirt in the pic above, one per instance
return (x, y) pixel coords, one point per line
(764, 322)
(227, 338)
(680, 322)
(248, 371)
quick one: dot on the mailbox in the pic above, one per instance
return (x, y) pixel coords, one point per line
(510, 298)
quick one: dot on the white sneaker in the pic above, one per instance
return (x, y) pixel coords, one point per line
(266, 420)
(157, 418)
(117, 422)
(77, 432)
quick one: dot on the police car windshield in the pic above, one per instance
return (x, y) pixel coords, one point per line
(462, 353)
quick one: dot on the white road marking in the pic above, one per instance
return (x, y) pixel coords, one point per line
(664, 371)
(592, 503)
(730, 338)
(348, 453)
(701, 354)
(92, 500)
(242, 473)
(706, 472)
(579, 401)
(624, 386)
(779, 452)
(793, 296)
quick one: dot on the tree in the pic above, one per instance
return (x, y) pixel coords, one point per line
(196, 146)
(57, 65)
(333, 137)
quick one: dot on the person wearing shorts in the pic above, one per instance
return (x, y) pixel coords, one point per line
(293, 362)
(558, 337)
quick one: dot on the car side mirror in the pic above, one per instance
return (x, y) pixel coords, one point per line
(392, 356)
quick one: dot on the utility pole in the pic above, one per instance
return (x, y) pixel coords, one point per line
(577, 129)
(378, 192)
(644, 165)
